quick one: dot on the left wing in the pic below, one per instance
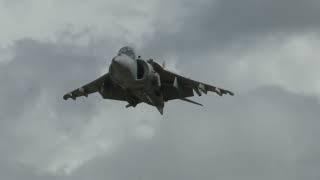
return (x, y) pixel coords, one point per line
(185, 86)
(87, 89)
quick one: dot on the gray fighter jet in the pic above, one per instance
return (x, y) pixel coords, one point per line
(135, 80)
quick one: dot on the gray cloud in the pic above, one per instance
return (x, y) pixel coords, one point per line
(32, 111)
(211, 25)
(255, 135)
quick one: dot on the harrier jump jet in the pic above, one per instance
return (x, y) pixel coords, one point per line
(135, 80)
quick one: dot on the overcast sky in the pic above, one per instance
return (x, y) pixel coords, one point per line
(266, 51)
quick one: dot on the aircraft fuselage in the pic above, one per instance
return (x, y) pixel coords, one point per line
(138, 79)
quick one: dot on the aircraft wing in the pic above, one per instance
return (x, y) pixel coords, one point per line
(103, 85)
(176, 86)
(87, 89)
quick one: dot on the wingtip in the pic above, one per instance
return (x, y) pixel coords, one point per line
(221, 93)
(67, 96)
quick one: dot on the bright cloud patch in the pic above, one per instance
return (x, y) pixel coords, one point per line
(291, 64)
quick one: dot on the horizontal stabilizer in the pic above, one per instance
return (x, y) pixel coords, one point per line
(190, 101)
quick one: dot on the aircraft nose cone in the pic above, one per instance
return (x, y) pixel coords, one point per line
(117, 66)
(122, 68)
(116, 63)
(120, 63)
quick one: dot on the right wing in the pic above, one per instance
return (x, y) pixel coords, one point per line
(87, 89)
(172, 82)
(103, 85)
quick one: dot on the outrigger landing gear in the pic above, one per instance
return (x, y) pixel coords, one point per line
(132, 103)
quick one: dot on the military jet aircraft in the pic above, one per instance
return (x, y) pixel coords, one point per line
(135, 80)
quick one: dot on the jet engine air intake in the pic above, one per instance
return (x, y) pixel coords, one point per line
(142, 69)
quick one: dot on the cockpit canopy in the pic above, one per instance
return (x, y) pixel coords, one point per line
(129, 51)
